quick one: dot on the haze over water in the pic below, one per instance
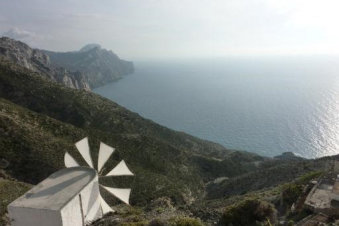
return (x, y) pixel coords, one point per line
(262, 105)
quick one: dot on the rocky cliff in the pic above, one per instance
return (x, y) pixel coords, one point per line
(99, 66)
(90, 67)
(36, 60)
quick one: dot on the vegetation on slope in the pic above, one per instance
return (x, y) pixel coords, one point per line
(269, 174)
(249, 212)
(41, 120)
(31, 142)
(51, 118)
(9, 191)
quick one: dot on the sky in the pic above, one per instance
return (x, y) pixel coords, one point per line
(140, 29)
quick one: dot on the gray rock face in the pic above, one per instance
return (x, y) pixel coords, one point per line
(89, 47)
(36, 60)
(99, 66)
(87, 68)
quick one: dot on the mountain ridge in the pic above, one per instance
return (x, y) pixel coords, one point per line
(34, 59)
(85, 69)
(99, 66)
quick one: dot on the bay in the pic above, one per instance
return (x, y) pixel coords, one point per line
(266, 105)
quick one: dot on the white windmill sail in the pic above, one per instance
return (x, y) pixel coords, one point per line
(105, 207)
(121, 193)
(120, 170)
(105, 152)
(70, 161)
(83, 148)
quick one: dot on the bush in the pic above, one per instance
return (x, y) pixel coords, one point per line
(309, 176)
(9, 191)
(185, 221)
(290, 193)
(157, 222)
(249, 212)
(142, 223)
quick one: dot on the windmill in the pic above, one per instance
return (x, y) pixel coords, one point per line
(105, 152)
(71, 196)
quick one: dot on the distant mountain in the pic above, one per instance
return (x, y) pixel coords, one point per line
(88, 68)
(36, 60)
(99, 66)
(89, 47)
(288, 156)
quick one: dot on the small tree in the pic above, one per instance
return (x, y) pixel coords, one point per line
(249, 212)
(290, 193)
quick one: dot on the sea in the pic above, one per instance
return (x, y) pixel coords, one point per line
(265, 105)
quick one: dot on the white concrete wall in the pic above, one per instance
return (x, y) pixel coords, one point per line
(71, 213)
(33, 217)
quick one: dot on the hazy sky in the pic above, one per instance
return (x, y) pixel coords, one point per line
(176, 28)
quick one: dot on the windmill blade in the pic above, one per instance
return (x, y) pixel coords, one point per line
(70, 161)
(83, 148)
(120, 193)
(92, 211)
(105, 152)
(120, 170)
(104, 206)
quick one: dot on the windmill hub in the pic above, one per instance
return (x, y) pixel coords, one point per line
(71, 196)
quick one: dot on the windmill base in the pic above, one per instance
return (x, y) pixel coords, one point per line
(68, 197)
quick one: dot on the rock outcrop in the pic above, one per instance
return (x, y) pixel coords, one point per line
(90, 67)
(36, 60)
(99, 66)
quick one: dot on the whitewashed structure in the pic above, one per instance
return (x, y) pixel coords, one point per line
(68, 197)
(71, 196)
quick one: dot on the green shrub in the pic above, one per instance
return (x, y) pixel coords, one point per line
(249, 212)
(141, 223)
(185, 221)
(290, 193)
(9, 191)
(157, 222)
(309, 176)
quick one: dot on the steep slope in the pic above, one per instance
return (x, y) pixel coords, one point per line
(40, 120)
(269, 174)
(164, 160)
(34, 59)
(34, 145)
(87, 110)
(98, 65)
(9, 191)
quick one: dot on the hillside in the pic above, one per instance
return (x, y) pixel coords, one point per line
(99, 66)
(88, 68)
(176, 174)
(36, 60)
(53, 117)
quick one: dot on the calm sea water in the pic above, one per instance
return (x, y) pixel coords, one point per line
(262, 105)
